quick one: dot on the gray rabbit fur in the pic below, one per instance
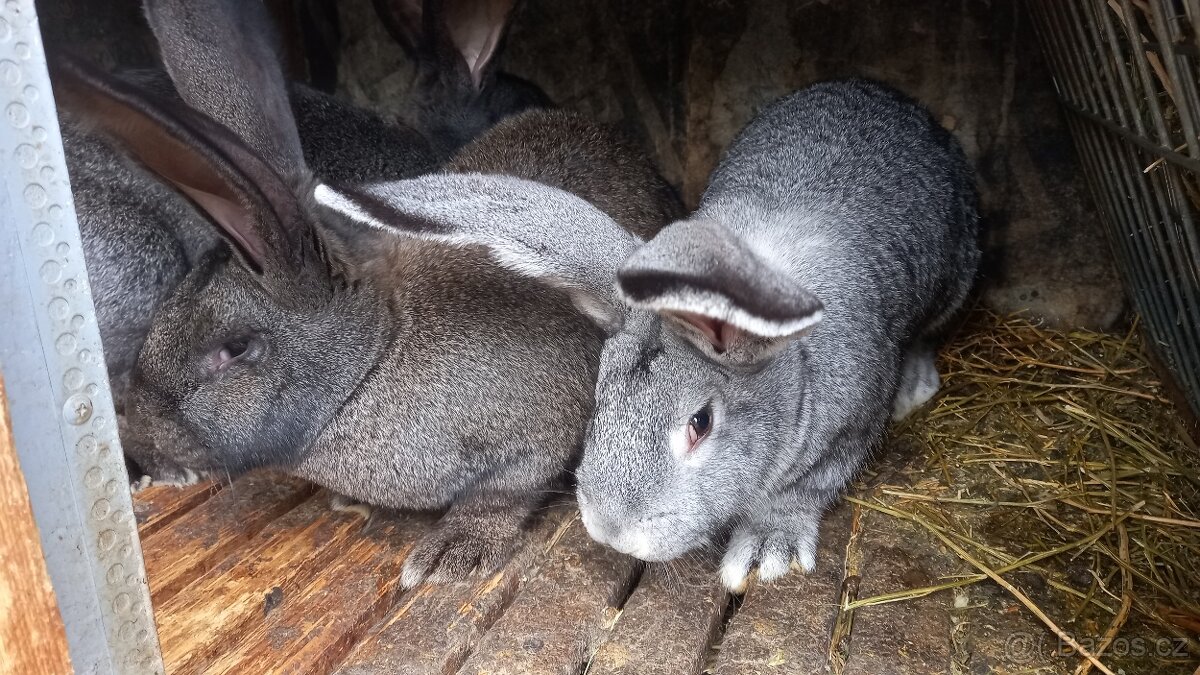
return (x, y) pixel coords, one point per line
(797, 310)
(458, 92)
(399, 372)
(757, 349)
(141, 237)
(571, 152)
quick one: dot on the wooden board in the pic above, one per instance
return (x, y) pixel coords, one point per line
(434, 629)
(909, 638)
(208, 617)
(786, 626)
(311, 629)
(32, 639)
(197, 540)
(560, 617)
(262, 576)
(668, 624)
(159, 505)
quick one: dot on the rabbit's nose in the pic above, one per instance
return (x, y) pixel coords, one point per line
(628, 540)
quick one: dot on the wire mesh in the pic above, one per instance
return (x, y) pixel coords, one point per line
(1126, 72)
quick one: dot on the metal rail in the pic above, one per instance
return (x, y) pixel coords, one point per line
(50, 354)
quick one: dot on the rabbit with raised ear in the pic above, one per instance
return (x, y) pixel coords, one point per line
(399, 372)
(457, 91)
(757, 350)
(141, 237)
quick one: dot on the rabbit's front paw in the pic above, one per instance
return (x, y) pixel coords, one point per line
(343, 504)
(774, 551)
(461, 544)
(178, 477)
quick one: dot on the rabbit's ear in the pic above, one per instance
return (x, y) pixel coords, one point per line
(222, 56)
(244, 196)
(454, 38)
(476, 28)
(403, 21)
(721, 293)
(532, 229)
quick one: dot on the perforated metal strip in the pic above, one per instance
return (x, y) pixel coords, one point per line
(50, 355)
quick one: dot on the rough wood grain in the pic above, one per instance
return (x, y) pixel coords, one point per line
(905, 637)
(198, 540)
(210, 616)
(559, 618)
(668, 623)
(785, 626)
(32, 639)
(311, 629)
(159, 505)
(435, 629)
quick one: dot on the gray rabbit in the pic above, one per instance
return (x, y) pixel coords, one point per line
(141, 237)
(399, 372)
(773, 333)
(457, 91)
(757, 349)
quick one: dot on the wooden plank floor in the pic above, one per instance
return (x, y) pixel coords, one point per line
(262, 576)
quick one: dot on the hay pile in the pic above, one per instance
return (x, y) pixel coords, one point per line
(1056, 454)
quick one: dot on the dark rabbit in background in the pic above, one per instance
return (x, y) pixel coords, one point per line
(457, 91)
(483, 120)
(402, 373)
(757, 349)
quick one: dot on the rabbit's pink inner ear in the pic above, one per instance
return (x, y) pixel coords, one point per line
(145, 134)
(234, 219)
(476, 28)
(719, 334)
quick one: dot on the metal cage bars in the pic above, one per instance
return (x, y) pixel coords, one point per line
(1127, 75)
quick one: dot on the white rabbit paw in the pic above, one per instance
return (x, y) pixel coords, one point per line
(175, 478)
(775, 552)
(919, 382)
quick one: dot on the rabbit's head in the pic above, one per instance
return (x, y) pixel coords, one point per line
(689, 404)
(246, 360)
(458, 92)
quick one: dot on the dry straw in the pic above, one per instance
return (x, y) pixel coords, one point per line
(1067, 440)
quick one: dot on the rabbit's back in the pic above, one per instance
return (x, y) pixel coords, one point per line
(348, 144)
(486, 368)
(342, 142)
(857, 189)
(568, 151)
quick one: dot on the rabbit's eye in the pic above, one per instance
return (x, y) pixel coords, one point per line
(699, 426)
